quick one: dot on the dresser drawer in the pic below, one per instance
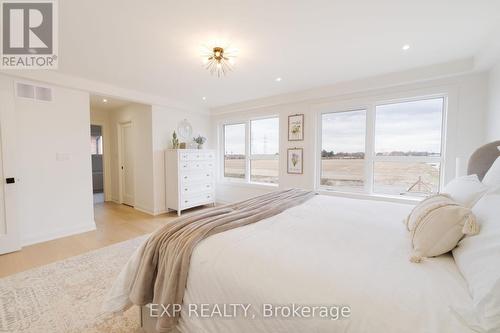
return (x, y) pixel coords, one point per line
(196, 200)
(196, 156)
(199, 176)
(190, 189)
(187, 166)
(209, 156)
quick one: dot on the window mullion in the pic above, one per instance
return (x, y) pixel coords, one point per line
(369, 148)
(247, 150)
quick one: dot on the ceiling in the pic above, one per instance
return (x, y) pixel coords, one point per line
(106, 103)
(154, 46)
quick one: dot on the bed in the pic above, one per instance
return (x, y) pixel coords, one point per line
(326, 252)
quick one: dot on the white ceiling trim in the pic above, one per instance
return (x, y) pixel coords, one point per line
(427, 73)
(103, 89)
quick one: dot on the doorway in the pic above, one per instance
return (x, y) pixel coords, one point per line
(126, 163)
(97, 154)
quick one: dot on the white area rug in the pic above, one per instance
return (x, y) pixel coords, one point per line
(66, 296)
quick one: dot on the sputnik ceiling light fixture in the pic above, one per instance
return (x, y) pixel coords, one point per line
(219, 61)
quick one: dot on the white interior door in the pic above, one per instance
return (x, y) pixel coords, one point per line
(9, 237)
(127, 164)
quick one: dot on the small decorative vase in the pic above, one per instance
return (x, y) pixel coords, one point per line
(200, 146)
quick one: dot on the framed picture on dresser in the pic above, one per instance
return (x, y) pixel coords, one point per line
(296, 127)
(295, 163)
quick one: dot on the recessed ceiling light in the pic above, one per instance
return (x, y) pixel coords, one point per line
(406, 47)
(278, 79)
(104, 100)
(204, 98)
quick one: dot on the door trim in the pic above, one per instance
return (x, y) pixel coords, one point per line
(10, 241)
(120, 127)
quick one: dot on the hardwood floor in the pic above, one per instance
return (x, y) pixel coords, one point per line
(115, 223)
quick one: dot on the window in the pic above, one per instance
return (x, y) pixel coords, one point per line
(234, 151)
(251, 151)
(96, 145)
(392, 149)
(264, 150)
(343, 150)
(408, 147)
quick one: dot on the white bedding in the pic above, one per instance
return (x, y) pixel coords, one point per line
(328, 251)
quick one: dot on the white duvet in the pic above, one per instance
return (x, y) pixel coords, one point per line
(328, 251)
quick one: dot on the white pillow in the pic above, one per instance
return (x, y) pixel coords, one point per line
(478, 259)
(436, 226)
(492, 177)
(466, 190)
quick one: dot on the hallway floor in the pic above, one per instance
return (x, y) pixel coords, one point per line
(115, 223)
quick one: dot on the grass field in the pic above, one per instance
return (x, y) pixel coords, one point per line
(389, 177)
(348, 174)
(262, 171)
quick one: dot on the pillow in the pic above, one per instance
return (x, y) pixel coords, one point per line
(466, 190)
(478, 259)
(492, 177)
(436, 226)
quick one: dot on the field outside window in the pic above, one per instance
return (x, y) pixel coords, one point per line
(401, 156)
(262, 145)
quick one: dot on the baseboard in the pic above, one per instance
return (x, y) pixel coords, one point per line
(159, 212)
(59, 233)
(144, 210)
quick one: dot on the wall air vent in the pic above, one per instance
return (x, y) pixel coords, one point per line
(33, 92)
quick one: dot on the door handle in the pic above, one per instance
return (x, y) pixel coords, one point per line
(10, 180)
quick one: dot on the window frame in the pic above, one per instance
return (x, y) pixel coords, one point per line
(370, 154)
(249, 157)
(223, 145)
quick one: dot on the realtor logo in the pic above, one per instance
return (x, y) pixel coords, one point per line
(29, 34)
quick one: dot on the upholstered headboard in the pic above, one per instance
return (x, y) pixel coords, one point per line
(482, 159)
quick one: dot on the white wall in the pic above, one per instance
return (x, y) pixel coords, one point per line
(165, 121)
(140, 117)
(54, 167)
(466, 116)
(493, 120)
(152, 128)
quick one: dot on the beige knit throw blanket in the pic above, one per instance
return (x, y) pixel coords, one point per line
(164, 263)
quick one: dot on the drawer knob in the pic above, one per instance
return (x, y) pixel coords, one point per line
(185, 177)
(208, 185)
(185, 189)
(185, 201)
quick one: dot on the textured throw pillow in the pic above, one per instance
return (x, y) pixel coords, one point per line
(436, 226)
(492, 177)
(478, 259)
(466, 190)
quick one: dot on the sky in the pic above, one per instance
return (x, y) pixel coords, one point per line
(409, 126)
(264, 137)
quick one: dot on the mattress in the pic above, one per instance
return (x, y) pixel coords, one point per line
(330, 252)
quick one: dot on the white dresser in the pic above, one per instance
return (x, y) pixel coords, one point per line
(190, 178)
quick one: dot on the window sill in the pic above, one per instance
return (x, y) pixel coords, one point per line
(376, 197)
(250, 184)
